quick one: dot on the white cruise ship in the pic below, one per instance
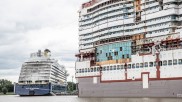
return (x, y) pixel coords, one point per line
(130, 48)
(41, 75)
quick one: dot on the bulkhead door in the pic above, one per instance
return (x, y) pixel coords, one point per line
(145, 79)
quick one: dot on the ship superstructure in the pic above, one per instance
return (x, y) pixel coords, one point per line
(41, 75)
(130, 48)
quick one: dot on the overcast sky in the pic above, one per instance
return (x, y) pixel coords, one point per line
(29, 25)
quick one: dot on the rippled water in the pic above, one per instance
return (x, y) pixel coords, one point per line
(13, 98)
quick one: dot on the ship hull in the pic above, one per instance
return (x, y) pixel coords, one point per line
(157, 88)
(38, 89)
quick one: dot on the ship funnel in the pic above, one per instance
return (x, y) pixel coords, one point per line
(47, 53)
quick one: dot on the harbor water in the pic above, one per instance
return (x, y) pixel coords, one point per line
(15, 98)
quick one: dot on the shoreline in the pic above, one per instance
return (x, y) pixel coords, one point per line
(8, 93)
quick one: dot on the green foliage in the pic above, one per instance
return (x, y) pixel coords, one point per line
(6, 84)
(71, 86)
(4, 90)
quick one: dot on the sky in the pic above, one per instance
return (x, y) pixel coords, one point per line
(27, 26)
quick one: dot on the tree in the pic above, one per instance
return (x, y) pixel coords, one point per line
(70, 88)
(4, 90)
(6, 84)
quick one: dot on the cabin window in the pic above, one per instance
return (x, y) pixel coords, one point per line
(137, 65)
(122, 66)
(95, 69)
(118, 67)
(121, 49)
(175, 62)
(141, 65)
(98, 68)
(129, 66)
(111, 68)
(104, 68)
(89, 70)
(146, 64)
(123, 56)
(128, 56)
(85, 69)
(151, 64)
(114, 67)
(92, 70)
(133, 65)
(107, 68)
(164, 63)
(180, 61)
(115, 53)
(110, 58)
(169, 62)
(160, 63)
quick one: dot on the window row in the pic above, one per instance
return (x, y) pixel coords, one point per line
(120, 32)
(106, 4)
(126, 6)
(125, 13)
(132, 66)
(156, 20)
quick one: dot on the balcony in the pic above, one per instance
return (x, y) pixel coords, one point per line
(86, 31)
(166, 1)
(148, 6)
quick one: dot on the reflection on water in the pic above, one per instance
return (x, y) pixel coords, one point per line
(13, 98)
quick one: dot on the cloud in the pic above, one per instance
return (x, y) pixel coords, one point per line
(29, 25)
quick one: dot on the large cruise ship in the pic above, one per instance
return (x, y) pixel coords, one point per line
(41, 75)
(130, 48)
